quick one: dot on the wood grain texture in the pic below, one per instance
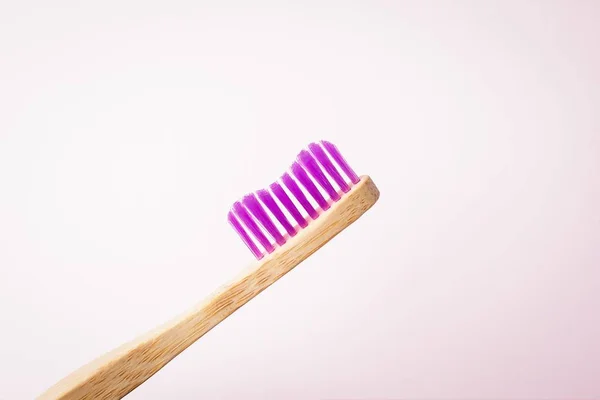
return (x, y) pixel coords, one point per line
(117, 373)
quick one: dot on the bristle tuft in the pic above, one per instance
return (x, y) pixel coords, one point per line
(268, 201)
(259, 219)
(299, 195)
(237, 226)
(310, 164)
(308, 184)
(339, 159)
(289, 205)
(324, 160)
(251, 203)
(247, 220)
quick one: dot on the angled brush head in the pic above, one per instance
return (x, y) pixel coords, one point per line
(266, 219)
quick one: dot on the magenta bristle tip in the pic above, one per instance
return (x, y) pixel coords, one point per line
(324, 160)
(288, 204)
(251, 203)
(248, 221)
(308, 184)
(268, 201)
(235, 223)
(323, 165)
(299, 195)
(338, 158)
(310, 164)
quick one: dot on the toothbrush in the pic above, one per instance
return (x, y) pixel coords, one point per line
(281, 225)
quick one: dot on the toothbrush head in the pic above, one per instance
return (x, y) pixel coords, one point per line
(267, 218)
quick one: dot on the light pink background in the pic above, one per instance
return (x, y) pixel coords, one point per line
(128, 128)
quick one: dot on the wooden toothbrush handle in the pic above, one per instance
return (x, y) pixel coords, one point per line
(117, 373)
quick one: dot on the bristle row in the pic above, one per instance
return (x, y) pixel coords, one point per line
(267, 218)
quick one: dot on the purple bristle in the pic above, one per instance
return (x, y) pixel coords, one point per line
(324, 160)
(288, 204)
(320, 172)
(251, 203)
(237, 226)
(339, 159)
(311, 165)
(242, 214)
(299, 195)
(268, 201)
(308, 184)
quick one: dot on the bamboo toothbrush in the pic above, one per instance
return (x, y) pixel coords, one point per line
(279, 238)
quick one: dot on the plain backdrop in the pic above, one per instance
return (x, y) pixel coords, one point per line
(127, 129)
